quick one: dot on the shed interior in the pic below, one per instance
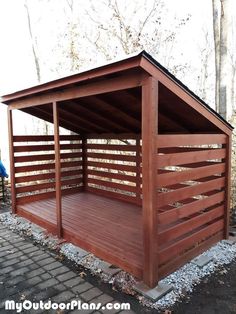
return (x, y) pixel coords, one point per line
(142, 179)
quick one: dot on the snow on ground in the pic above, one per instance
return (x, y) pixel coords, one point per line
(183, 280)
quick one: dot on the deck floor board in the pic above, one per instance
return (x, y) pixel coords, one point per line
(111, 229)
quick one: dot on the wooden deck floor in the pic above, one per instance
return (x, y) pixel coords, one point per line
(110, 229)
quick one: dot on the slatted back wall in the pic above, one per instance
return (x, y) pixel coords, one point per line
(34, 159)
(113, 168)
(191, 191)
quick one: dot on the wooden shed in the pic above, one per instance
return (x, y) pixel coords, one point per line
(143, 182)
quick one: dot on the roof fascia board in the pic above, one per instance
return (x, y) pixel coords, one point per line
(116, 67)
(94, 88)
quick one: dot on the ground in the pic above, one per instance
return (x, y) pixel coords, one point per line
(216, 294)
(32, 272)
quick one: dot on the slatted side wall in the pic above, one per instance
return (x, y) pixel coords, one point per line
(113, 168)
(2, 189)
(34, 159)
(191, 192)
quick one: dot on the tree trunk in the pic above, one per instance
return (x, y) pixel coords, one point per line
(216, 30)
(36, 58)
(224, 75)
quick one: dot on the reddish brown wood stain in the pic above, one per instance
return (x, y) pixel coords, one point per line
(147, 207)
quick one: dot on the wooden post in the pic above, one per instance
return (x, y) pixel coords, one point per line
(85, 166)
(57, 169)
(149, 155)
(12, 162)
(228, 148)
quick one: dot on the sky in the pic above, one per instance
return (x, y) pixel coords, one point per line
(16, 59)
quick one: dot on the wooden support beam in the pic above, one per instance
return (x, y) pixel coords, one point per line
(12, 163)
(228, 185)
(85, 164)
(149, 154)
(95, 88)
(57, 169)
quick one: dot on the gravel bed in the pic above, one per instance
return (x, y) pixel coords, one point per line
(183, 280)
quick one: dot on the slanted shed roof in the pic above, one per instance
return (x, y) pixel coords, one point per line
(115, 107)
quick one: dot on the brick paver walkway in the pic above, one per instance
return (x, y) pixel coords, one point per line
(28, 272)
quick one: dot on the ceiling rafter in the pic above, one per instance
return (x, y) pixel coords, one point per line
(170, 122)
(77, 108)
(64, 120)
(48, 117)
(81, 121)
(101, 102)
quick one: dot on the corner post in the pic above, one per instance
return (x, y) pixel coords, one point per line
(12, 162)
(149, 154)
(57, 169)
(228, 148)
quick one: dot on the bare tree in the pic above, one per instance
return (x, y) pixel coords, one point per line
(206, 52)
(73, 51)
(40, 125)
(133, 27)
(33, 43)
(216, 30)
(223, 86)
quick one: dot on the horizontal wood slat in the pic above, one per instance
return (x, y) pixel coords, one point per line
(173, 177)
(43, 186)
(47, 166)
(180, 194)
(113, 185)
(180, 260)
(34, 148)
(44, 138)
(200, 164)
(35, 158)
(119, 196)
(46, 195)
(189, 157)
(112, 157)
(173, 150)
(180, 246)
(45, 176)
(125, 148)
(111, 175)
(175, 214)
(189, 139)
(182, 228)
(111, 166)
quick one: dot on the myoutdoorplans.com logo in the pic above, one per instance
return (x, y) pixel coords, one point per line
(26, 305)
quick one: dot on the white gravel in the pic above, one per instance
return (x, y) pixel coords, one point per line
(183, 280)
